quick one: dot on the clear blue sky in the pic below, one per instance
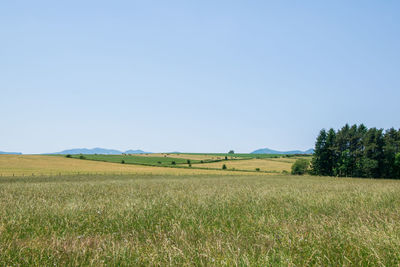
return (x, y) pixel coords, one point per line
(198, 76)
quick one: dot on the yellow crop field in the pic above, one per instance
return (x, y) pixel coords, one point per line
(19, 165)
(272, 165)
(285, 160)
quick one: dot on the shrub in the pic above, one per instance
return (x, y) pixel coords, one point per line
(123, 161)
(226, 158)
(231, 152)
(201, 161)
(173, 162)
(224, 167)
(159, 162)
(300, 166)
(188, 161)
(68, 156)
(257, 169)
(81, 157)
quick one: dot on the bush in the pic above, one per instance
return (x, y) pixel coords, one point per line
(257, 169)
(300, 166)
(159, 162)
(224, 167)
(231, 152)
(226, 158)
(68, 156)
(188, 161)
(173, 162)
(81, 157)
(123, 161)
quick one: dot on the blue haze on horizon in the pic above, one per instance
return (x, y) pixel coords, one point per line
(194, 76)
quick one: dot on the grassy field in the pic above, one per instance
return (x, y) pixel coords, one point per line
(28, 165)
(136, 159)
(244, 162)
(235, 156)
(213, 156)
(196, 157)
(269, 165)
(211, 220)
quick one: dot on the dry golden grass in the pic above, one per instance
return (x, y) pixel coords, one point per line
(272, 165)
(285, 160)
(19, 165)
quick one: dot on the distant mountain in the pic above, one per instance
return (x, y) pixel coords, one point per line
(310, 151)
(271, 151)
(99, 150)
(136, 152)
(96, 150)
(13, 153)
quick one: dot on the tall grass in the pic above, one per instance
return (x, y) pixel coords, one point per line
(198, 220)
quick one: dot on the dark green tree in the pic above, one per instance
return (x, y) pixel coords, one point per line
(319, 160)
(373, 153)
(358, 151)
(330, 150)
(397, 166)
(342, 152)
(390, 149)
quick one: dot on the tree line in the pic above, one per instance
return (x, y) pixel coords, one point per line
(356, 151)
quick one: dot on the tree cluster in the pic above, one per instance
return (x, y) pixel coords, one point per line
(356, 151)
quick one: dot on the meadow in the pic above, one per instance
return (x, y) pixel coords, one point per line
(39, 165)
(93, 213)
(169, 159)
(265, 164)
(234, 162)
(216, 220)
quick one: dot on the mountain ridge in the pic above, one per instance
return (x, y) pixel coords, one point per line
(271, 151)
(99, 150)
(10, 153)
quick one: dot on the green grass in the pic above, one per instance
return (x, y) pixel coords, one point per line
(142, 160)
(198, 220)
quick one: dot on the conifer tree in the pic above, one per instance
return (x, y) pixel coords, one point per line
(319, 158)
(356, 151)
